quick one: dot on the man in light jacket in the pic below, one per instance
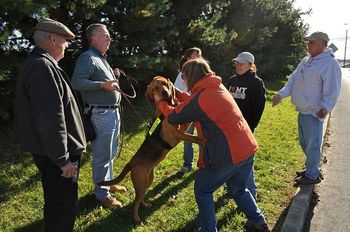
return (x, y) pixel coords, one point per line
(314, 87)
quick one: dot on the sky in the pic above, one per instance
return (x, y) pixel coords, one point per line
(329, 17)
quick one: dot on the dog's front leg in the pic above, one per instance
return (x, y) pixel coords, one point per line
(191, 138)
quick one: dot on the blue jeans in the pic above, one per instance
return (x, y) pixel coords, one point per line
(235, 176)
(310, 138)
(188, 150)
(251, 185)
(104, 147)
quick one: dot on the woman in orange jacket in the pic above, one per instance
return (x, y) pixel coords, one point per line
(228, 144)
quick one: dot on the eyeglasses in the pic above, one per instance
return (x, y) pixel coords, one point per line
(183, 76)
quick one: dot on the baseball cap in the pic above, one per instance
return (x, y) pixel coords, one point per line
(49, 25)
(244, 57)
(318, 35)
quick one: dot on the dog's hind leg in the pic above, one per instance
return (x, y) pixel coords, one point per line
(140, 180)
(150, 181)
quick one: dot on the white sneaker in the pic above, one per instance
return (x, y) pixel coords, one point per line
(185, 169)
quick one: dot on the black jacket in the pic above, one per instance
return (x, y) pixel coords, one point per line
(47, 116)
(248, 90)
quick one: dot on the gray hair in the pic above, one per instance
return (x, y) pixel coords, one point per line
(40, 37)
(92, 29)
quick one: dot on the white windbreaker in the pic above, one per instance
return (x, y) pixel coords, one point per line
(180, 83)
(315, 84)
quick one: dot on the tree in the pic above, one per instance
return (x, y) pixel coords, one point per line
(149, 36)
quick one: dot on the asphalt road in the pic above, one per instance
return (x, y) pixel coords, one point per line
(332, 212)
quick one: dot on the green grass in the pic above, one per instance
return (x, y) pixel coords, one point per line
(173, 204)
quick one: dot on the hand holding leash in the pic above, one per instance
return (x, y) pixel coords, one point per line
(109, 85)
(116, 72)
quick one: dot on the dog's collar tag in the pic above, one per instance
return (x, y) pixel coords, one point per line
(154, 126)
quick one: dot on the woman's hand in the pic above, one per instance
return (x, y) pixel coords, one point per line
(157, 97)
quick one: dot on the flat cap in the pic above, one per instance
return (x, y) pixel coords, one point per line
(56, 27)
(318, 35)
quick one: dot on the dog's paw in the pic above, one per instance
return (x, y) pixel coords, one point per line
(139, 223)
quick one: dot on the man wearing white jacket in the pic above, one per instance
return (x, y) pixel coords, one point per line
(314, 87)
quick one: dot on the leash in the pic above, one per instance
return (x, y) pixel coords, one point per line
(126, 96)
(129, 80)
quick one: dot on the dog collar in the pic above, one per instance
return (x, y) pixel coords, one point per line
(154, 132)
(152, 126)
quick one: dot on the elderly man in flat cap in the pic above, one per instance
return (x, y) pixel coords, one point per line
(314, 87)
(49, 125)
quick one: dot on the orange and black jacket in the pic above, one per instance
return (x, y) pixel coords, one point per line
(226, 136)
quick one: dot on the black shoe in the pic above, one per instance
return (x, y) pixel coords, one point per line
(262, 227)
(301, 172)
(304, 180)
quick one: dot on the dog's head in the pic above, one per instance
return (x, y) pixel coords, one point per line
(163, 87)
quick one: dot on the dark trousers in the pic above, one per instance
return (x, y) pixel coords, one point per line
(60, 195)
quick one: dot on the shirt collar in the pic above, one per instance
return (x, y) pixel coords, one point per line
(98, 52)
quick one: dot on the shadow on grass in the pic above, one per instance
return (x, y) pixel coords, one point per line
(13, 166)
(9, 190)
(193, 225)
(32, 227)
(117, 220)
(121, 219)
(188, 226)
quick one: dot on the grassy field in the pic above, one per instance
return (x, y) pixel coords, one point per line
(171, 195)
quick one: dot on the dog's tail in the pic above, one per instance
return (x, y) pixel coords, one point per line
(119, 178)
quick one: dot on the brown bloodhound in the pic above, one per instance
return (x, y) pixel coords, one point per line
(155, 147)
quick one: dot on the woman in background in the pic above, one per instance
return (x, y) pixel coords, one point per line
(190, 53)
(248, 90)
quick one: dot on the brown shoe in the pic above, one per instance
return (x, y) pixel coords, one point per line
(117, 188)
(110, 202)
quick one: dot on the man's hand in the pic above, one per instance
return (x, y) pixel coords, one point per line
(276, 100)
(109, 85)
(322, 113)
(69, 170)
(116, 73)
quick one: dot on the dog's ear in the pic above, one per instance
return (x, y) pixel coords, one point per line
(149, 94)
(172, 91)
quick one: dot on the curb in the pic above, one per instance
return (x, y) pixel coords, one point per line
(299, 207)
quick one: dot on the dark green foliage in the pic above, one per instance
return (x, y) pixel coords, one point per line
(150, 36)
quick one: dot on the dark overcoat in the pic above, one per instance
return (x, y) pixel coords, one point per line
(47, 117)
